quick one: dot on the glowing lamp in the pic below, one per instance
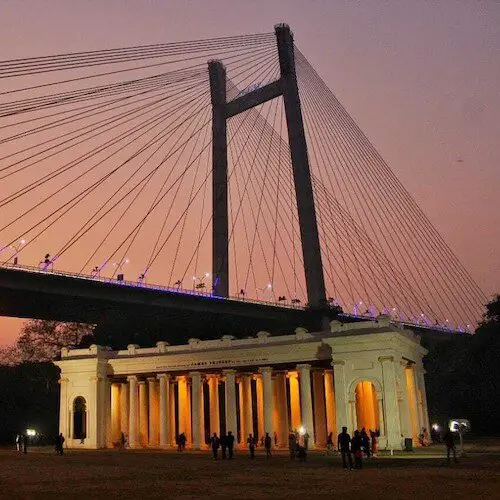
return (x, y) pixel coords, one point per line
(30, 432)
(302, 430)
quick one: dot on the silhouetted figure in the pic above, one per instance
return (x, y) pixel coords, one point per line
(329, 443)
(365, 442)
(181, 442)
(267, 445)
(123, 441)
(374, 437)
(251, 445)
(449, 441)
(59, 444)
(215, 443)
(275, 439)
(223, 445)
(344, 446)
(19, 442)
(302, 453)
(25, 443)
(357, 450)
(305, 440)
(230, 443)
(292, 444)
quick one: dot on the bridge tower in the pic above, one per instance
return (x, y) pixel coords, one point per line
(287, 87)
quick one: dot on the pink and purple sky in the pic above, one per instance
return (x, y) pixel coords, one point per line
(422, 79)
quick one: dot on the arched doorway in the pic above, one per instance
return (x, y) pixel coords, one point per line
(79, 418)
(366, 406)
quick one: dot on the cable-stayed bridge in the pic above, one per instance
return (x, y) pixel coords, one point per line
(224, 170)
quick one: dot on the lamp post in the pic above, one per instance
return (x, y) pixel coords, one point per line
(17, 248)
(119, 267)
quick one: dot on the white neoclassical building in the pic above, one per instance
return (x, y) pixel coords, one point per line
(365, 374)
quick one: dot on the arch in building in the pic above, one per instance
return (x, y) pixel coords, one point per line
(364, 392)
(79, 418)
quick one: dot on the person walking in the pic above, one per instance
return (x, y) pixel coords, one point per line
(357, 450)
(344, 446)
(251, 445)
(230, 443)
(267, 445)
(215, 443)
(449, 441)
(292, 444)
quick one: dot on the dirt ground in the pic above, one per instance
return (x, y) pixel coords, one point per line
(150, 475)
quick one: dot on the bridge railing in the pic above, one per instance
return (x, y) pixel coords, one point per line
(43, 269)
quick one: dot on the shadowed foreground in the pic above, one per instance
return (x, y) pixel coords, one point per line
(40, 474)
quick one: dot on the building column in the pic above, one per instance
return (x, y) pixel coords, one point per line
(353, 412)
(421, 385)
(230, 398)
(124, 409)
(390, 403)
(319, 409)
(281, 409)
(171, 420)
(64, 411)
(331, 426)
(293, 382)
(133, 417)
(182, 410)
(213, 397)
(260, 405)
(268, 403)
(341, 410)
(153, 413)
(246, 407)
(383, 432)
(404, 403)
(197, 410)
(163, 410)
(306, 401)
(115, 413)
(243, 429)
(143, 414)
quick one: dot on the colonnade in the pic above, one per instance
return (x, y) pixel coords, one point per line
(152, 411)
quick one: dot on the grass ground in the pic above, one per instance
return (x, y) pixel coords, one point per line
(151, 475)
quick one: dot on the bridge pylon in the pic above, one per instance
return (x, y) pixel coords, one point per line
(287, 87)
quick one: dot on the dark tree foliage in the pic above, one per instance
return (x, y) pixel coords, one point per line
(29, 398)
(463, 375)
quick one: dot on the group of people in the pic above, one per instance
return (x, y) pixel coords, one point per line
(358, 445)
(298, 444)
(22, 442)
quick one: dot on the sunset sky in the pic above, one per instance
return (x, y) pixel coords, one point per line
(421, 79)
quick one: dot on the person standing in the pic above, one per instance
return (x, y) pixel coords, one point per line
(344, 446)
(329, 443)
(449, 441)
(223, 445)
(123, 441)
(357, 449)
(25, 442)
(365, 442)
(215, 442)
(267, 445)
(251, 445)
(292, 444)
(230, 443)
(18, 442)
(374, 439)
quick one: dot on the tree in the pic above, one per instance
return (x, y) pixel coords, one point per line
(42, 340)
(463, 378)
